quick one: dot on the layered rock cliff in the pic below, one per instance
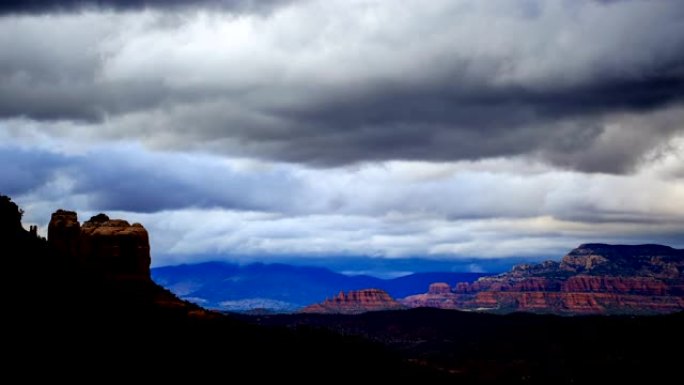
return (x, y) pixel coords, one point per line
(111, 247)
(107, 262)
(591, 279)
(355, 302)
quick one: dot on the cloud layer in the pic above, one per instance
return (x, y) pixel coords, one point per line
(196, 204)
(19, 7)
(329, 83)
(350, 127)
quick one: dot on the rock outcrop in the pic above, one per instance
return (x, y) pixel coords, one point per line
(98, 269)
(64, 232)
(109, 247)
(102, 266)
(355, 302)
(592, 279)
(115, 246)
(439, 295)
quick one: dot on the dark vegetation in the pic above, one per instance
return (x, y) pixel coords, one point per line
(517, 348)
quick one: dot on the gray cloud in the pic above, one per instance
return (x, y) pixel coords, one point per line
(625, 141)
(326, 84)
(195, 204)
(130, 178)
(438, 128)
(120, 180)
(15, 7)
(23, 171)
(223, 234)
(125, 178)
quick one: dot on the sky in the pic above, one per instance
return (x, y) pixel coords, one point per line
(266, 130)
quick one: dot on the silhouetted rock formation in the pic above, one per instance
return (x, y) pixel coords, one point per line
(64, 233)
(355, 302)
(111, 247)
(592, 279)
(112, 257)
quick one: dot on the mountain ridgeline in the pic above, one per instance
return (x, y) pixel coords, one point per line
(591, 279)
(279, 287)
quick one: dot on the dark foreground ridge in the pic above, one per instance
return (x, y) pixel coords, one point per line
(519, 348)
(81, 305)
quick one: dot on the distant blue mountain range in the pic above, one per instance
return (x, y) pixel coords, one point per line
(281, 287)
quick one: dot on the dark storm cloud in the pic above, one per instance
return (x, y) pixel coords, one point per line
(24, 171)
(319, 87)
(134, 181)
(51, 6)
(442, 124)
(128, 179)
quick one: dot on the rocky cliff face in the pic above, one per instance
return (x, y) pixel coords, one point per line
(355, 302)
(111, 247)
(105, 264)
(64, 233)
(592, 279)
(116, 246)
(439, 295)
(100, 267)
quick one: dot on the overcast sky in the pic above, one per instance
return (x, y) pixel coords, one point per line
(265, 129)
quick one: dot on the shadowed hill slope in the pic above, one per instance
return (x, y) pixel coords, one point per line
(519, 348)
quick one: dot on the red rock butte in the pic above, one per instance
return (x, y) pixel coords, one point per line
(592, 279)
(355, 302)
(111, 247)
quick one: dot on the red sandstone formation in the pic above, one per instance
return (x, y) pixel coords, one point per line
(439, 288)
(123, 249)
(113, 248)
(355, 302)
(592, 279)
(64, 232)
(439, 296)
